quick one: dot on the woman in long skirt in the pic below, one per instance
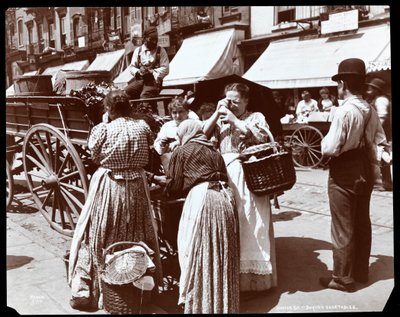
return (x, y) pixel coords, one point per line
(235, 129)
(208, 245)
(118, 206)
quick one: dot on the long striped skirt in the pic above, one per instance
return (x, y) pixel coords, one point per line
(208, 249)
(118, 210)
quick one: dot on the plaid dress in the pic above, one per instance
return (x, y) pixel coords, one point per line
(117, 208)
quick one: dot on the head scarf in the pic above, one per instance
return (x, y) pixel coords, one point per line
(191, 131)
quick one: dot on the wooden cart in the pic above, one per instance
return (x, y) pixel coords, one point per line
(49, 135)
(305, 141)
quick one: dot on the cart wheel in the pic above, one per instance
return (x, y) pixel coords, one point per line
(10, 185)
(306, 146)
(55, 175)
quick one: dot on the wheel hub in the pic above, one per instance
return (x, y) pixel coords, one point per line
(50, 182)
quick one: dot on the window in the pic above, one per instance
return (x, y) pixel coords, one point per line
(230, 10)
(287, 15)
(40, 32)
(126, 21)
(51, 31)
(63, 21)
(20, 33)
(30, 33)
(75, 27)
(118, 18)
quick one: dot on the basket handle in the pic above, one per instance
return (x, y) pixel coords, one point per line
(107, 250)
(271, 137)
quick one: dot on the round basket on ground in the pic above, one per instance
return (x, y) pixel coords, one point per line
(33, 85)
(268, 168)
(120, 270)
(76, 79)
(124, 299)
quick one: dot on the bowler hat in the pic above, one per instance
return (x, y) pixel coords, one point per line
(377, 83)
(350, 67)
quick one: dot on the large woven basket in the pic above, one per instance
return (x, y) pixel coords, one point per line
(122, 298)
(268, 168)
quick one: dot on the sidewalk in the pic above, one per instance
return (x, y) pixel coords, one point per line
(36, 276)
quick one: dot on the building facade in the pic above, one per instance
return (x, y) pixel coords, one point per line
(40, 37)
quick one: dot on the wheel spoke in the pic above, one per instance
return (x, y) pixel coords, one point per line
(56, 153)
(63, 164)
(317, 141)
(68, 175)
(59, 196)
(306, 135)
(301, 138)
(315, 155)
(53, 207)
(41, 144)
(40, 157)
(314, 145)
(310, 157)
(70, 199)
(75, 188)
(50, 149)
(47, 198)
(316, 151)
(312, 137)
(37, 163)
(67, 206)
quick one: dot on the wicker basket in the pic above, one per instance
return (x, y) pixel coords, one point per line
(268, 168)
(125, 298)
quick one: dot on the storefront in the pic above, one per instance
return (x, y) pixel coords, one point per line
(309, 63)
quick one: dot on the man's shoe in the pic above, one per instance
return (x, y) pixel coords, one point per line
(328, 282)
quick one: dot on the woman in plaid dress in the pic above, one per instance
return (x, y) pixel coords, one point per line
(118, 205)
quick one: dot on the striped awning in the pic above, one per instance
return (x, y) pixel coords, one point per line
(110, 61)
(206, 56)
(297, 63)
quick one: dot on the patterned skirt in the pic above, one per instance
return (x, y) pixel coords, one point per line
(119, 212)
(209, 252)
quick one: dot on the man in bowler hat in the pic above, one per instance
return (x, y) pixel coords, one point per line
(375, 95)
(351, 144)
(149, 66)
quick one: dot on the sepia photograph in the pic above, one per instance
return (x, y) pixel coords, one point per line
(199, 159)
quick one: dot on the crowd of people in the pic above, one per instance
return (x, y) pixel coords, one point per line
(225, 239)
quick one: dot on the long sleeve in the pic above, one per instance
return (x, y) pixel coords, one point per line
(134, 66)
(157, 143)
(175, 176)
(257, 121)
(96, 140)
(163, 70)
(333, 142)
